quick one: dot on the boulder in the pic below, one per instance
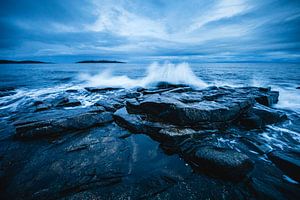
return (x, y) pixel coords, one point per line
(223, 162)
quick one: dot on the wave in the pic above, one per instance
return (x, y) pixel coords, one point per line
(167, 72)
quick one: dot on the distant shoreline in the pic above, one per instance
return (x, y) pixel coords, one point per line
(99, 61)
(23, 62)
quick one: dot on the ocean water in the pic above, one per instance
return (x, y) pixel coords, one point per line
(40, 79)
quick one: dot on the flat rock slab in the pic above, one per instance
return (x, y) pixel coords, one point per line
(200, 108)
(56, 122)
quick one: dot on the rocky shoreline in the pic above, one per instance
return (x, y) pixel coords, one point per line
(55, 148)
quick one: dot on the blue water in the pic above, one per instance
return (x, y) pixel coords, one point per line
(286, 75)
(31, 78)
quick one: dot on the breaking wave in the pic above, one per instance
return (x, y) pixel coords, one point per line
(168, 72)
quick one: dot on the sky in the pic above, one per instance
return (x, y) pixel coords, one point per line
(136, 30)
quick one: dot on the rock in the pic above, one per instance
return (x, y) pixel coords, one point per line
(72, 91)
(165, 85)
(288, 162)
(110, 105)
(97, 89)
(258, 146)
(203, 113)
(136, 123)
(58, 101)
(59, 124)
(70, 103)
(42, 106)
(223, 162)
(251, 121)
(268, 115)
(268, 99)
(298, 88)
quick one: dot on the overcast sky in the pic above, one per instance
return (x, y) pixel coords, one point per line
(217, 30)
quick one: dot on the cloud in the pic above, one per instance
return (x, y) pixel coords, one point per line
(204, 30)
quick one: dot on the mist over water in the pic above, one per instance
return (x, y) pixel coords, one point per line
(172, 73)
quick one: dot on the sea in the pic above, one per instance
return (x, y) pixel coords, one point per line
(32, 80)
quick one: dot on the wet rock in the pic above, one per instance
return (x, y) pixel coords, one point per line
(223, 162)
(171, 110)
(61, 124)
(258, 146)
(164, 85)
(251, 121)
(70, 103)
(99, 89)
(288, 162)
(268, 99)
(136, 123)
(110, 105)
(42, 106)
(268, 115)
(58, 101)
(72, 91)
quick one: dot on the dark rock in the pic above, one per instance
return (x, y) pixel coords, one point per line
(60, 100)
(288, 162)
(223, 162)
(136, 123)
(55, 126)
(297, 87)
(69, 103)
(268, 99)
(251, 121)
(202, 113)
(256, 145)
(155, 91)
(265, 191)
(72, 91)
(268, 115)
(97, 89)
(110, 105)
(42, 106)
(140, 89)
(38, 102)
(164, 85)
